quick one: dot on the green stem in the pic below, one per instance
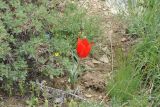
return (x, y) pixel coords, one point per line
(75, 75)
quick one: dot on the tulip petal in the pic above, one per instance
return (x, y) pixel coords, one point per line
(83, 47)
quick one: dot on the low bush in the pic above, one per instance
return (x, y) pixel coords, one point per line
(37, 37)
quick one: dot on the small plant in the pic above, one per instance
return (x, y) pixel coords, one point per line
(46, 103)
(91, 104)
(73, 103)
(83, 49)
(33, 102)
(73, 75)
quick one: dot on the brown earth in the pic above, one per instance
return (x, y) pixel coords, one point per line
(100, 66)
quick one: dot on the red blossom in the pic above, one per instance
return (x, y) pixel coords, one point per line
(83, 47)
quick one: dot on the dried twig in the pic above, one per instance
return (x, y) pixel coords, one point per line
(110, 38)
(53, 92)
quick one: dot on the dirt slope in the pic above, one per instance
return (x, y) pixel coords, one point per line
(100, 66)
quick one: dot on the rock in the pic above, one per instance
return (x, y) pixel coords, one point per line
(104, 59)
(89, 63)
(88, 95)
(117, 6)
(95, 61)
(124, 39)
(105, 49)
(100, 97)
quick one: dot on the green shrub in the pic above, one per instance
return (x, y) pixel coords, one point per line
(32, 31)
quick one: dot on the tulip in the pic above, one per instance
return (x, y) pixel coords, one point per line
(83, 47)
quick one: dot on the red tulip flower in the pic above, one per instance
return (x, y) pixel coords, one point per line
(83, 47)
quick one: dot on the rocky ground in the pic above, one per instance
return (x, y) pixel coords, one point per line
(101, 65)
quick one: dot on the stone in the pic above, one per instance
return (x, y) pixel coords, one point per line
(104, 59)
